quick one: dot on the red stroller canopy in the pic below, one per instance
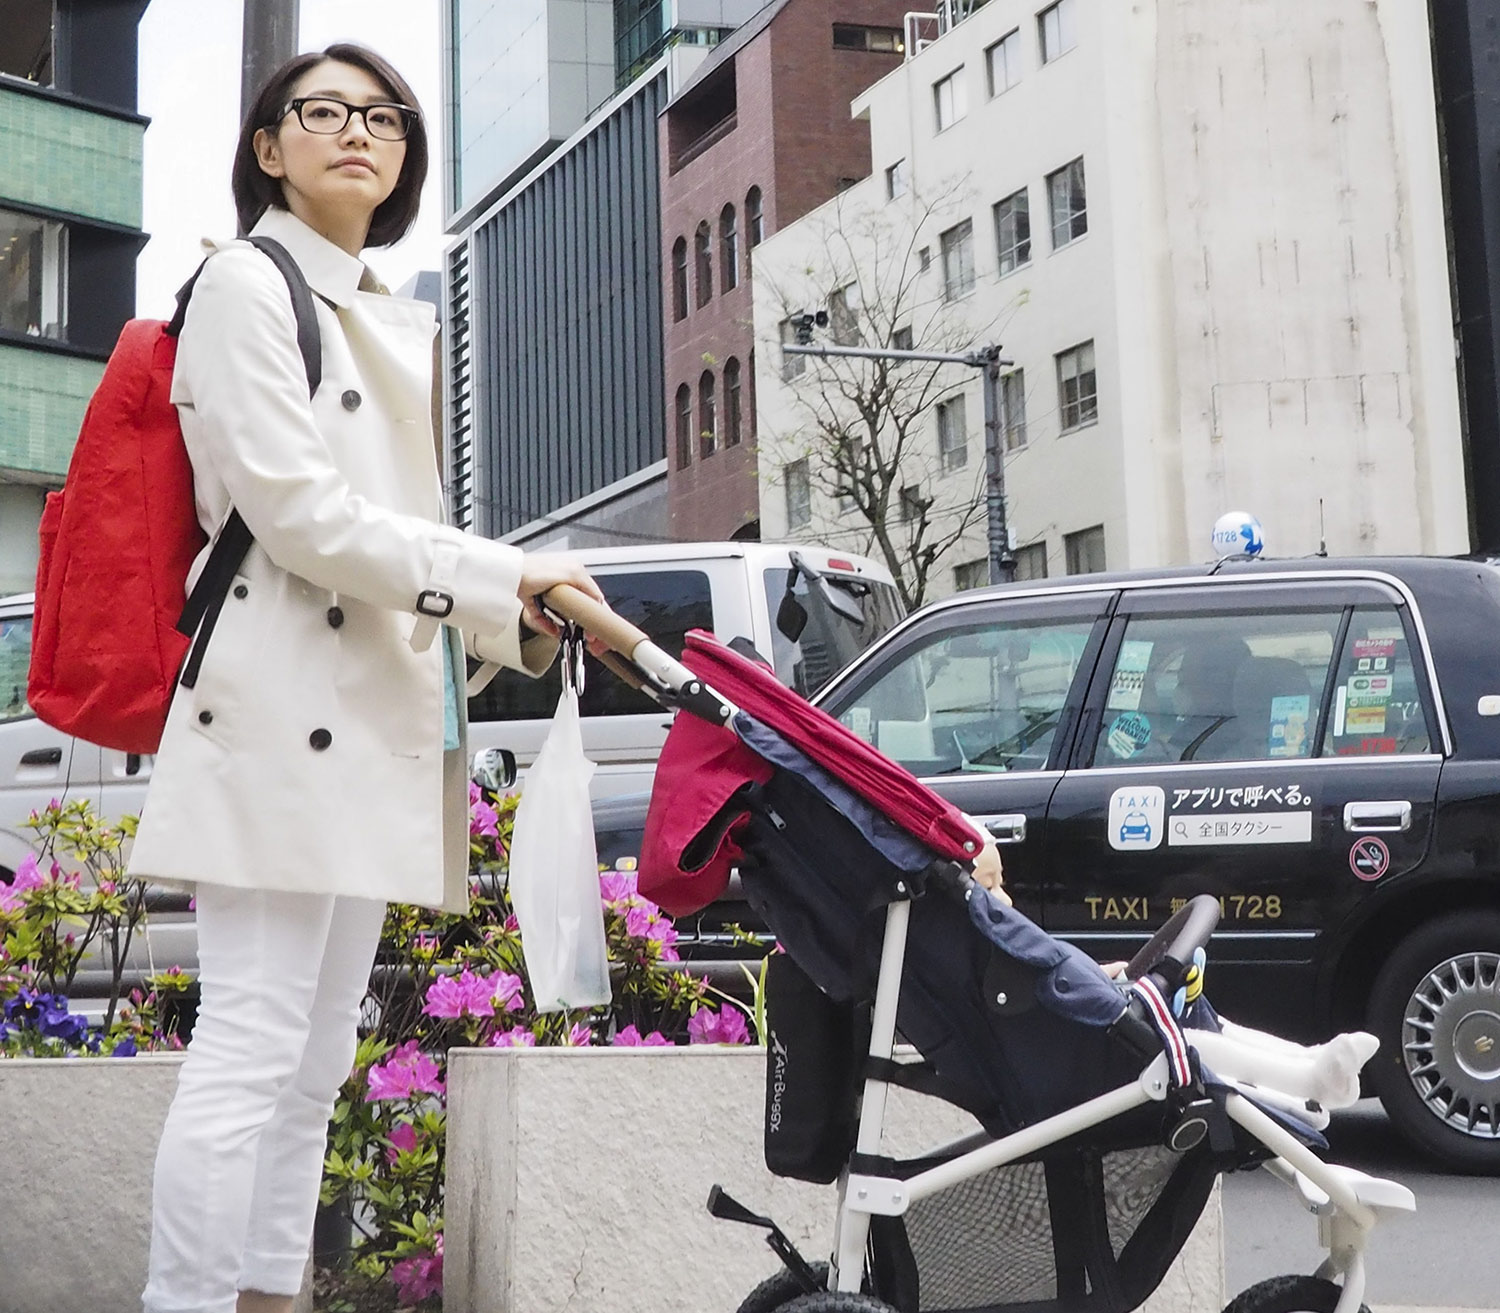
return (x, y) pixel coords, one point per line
(703, 765)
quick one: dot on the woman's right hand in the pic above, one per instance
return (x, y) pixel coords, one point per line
(541, 571)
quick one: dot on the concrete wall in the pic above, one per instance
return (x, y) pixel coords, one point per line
(577, 1180)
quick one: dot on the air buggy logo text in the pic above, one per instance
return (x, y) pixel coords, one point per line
(778, 1083)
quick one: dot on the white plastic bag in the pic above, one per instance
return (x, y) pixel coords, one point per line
(554, 865)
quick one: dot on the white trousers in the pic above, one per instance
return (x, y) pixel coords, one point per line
(241, 1155)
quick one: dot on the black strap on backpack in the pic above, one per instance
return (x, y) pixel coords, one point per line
(207, 598)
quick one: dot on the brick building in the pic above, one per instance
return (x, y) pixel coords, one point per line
(760, 135)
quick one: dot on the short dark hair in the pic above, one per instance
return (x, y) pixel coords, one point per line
(256, 191)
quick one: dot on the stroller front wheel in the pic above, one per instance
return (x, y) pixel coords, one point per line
(1289, 1295)
(836, 1301)
(776, 1292)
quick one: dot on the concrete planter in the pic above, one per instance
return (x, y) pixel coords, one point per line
(77, 1145)
(577, 1179)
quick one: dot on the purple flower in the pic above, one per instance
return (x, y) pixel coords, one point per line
(419, 1276)
(726, 1026)
(664, 933)
(507, 991)
(125, 1048)
(28, 876)
(483, 819)
(580, 1036)
(631, 1038)
(518, 1037)
(468, 995)
(402, 1139)
(404, 1075)
(638, 922)
(617, 886)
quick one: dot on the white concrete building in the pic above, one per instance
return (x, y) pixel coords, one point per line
(1209, 235)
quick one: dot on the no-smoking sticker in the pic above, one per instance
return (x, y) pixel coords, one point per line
(1369, 859)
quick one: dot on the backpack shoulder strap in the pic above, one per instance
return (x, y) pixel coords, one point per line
(234, 537)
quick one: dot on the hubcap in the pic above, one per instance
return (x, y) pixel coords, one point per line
(1450, 1043)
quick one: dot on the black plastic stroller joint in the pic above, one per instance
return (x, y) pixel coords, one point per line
(727, 1209)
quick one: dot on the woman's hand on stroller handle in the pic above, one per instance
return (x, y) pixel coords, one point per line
(541, 572)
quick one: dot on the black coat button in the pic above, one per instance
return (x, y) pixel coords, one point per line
(320, 739)
(351, 400)
(205, 717)
(335, 616)
(241, 591)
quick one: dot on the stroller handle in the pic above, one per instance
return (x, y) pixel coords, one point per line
(617, 633)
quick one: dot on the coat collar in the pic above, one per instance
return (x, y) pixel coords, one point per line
(330, 271)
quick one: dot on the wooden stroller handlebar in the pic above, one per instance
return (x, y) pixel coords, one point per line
(594, 618)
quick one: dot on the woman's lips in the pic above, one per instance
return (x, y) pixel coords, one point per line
(354, 162)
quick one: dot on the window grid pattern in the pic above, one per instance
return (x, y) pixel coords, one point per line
(703, 245)
(1003, 63)
(732, 402)
(679, 280)
(950, 100)
(1084, 550)
(684, 426)
(729, 250)
(953, 436)
(896, 180)
(958, 260)
(1031, 561)
(1013, 408)
(791, 366)
(1013, 231)
(1069, 204)
(708, 414)
(798, 494)
(1057, 29)
(1077, 387)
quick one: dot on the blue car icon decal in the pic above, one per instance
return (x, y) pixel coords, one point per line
(1135, 826)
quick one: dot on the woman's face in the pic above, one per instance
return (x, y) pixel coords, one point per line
(333, 178)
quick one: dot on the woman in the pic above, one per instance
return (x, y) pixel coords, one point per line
(315, 770)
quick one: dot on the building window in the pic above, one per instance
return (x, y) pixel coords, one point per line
(971, 574)
(1031, 561)
(752, 392)
(1077, 391)
(901, 339)
(1002, 62)
(912, 503)
(679, 280)
(798, 494)
(843, 316)
(708, 414)
(896, 183)
(754, 224)
(26, 44)
(729, 250)
(1065, 195)
(958, 260)
(949, 101)
(953, 434)
(732, 402)
(684, 426)
(881, 40)
(1057, 29)
(924, 259)
(1013, 408)
(703, 250)
(1084, 550)
(792, 366)
(1013, 231)
(33, 275)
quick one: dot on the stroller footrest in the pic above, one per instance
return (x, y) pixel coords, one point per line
(728, 1209)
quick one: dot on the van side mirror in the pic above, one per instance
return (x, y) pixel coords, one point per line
(494, 769)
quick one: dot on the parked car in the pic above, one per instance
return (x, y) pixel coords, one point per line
(808, 609)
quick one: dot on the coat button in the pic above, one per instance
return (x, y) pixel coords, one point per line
(205, 717)
(351, 400)
(335, 616)
(320, 739)
(241, 591)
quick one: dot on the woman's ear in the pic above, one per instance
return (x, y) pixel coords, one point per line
(268, 154)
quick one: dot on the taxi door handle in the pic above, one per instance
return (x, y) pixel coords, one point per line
(1009, 828)
(1377, 817)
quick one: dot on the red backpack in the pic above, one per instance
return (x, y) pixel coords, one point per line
(112, 622)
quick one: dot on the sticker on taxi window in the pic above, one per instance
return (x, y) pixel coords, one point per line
(1374, 655)
(1129, 734)
(1288, 735)
(1130, 675)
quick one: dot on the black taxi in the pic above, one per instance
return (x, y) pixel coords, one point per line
(1314, 742)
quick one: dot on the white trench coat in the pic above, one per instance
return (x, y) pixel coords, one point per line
(309, 755)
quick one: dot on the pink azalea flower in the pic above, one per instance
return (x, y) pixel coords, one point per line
(631, 1038)
(726, 1026)
(419, 1276)
(28, 876)
(638, 922)
(447, 997)
(665, 934)
(580, 1036)
(506, 991)
(405, 1074)
(617, 886)
(403, 1139)
(512, 926)
(483, 818)
(518, 1037)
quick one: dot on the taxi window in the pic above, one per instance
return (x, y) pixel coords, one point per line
(1221, 687)
(1377, 704)
(665, 603)
(982, 699)
(15, 658)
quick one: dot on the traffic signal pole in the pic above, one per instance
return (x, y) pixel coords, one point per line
(270, 39)
(986, 359)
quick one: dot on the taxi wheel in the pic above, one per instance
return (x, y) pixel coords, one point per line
(1436, 1010)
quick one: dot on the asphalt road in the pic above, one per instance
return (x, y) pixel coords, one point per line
(1446, 1256)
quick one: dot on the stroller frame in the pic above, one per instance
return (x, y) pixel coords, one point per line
(1347, 1203)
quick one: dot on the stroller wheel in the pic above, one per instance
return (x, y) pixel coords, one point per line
(775, 1292)
(833, 1301)
(1289, 1295)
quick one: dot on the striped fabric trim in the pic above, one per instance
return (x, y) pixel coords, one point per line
(1166, 1026)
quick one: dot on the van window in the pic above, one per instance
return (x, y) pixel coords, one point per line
(665, 603)
(830, 640)
(15, 658)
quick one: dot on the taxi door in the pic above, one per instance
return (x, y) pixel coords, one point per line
(1268, 743)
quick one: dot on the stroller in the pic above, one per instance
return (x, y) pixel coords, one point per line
(1102, 1131)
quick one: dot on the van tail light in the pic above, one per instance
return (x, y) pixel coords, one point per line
(838, 563)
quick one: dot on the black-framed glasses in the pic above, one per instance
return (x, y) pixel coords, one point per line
(326, 116)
